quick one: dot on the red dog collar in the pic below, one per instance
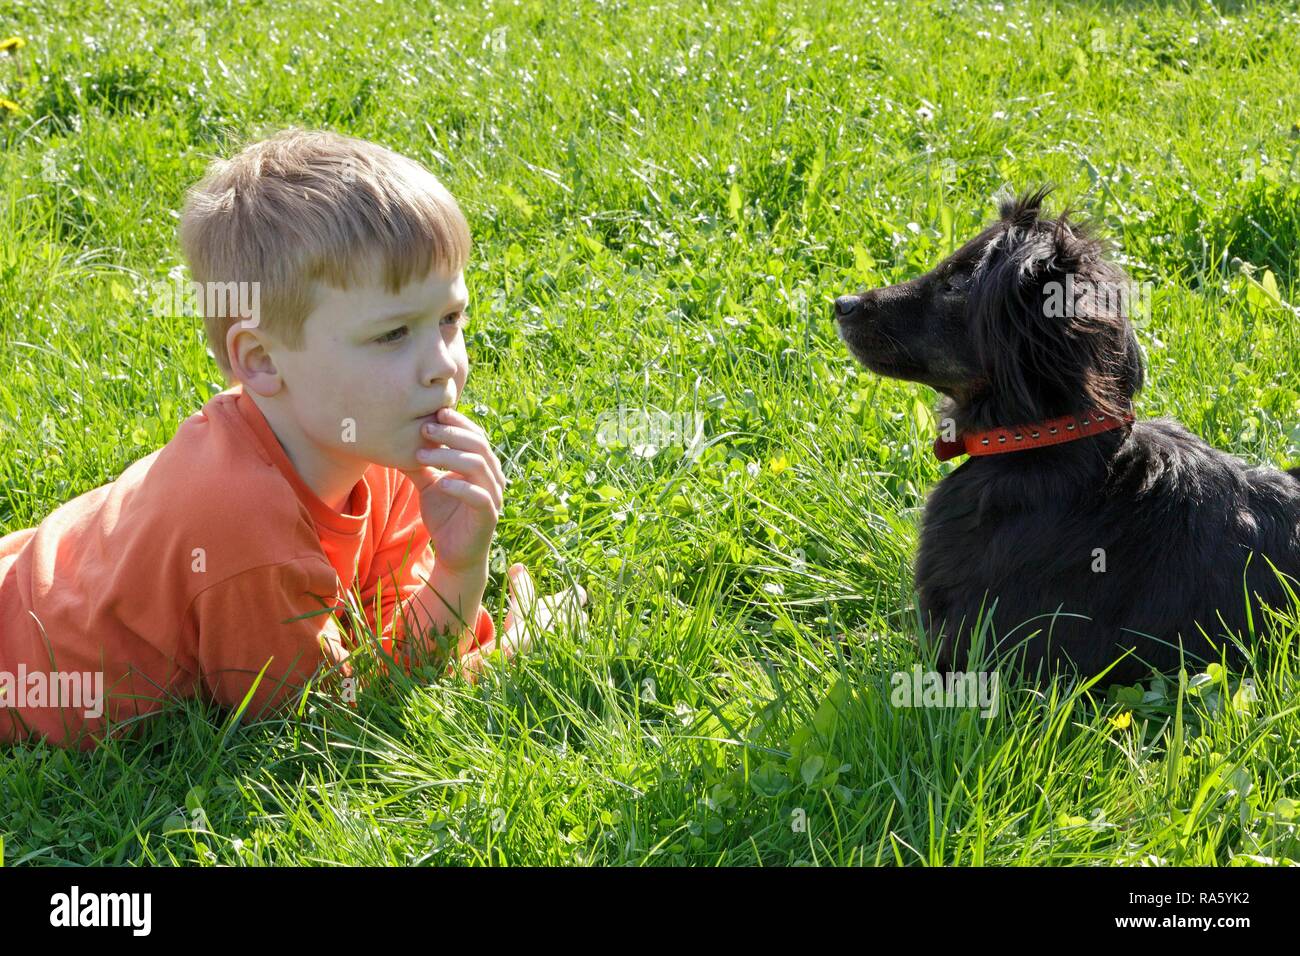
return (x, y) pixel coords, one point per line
(1054, 431)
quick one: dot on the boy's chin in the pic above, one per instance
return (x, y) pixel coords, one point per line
(408, 462)
(404, 462)
(401, 459)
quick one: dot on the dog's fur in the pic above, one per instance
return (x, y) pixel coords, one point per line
(1015, 537)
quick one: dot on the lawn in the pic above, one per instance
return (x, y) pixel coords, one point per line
(665, 199)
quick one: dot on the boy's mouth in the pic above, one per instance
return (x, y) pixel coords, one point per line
(431, 416)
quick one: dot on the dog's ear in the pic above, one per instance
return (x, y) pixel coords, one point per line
(1047, 343)
(1014, 342)
(1100, 319)
(1022, 211)
(1131, 371)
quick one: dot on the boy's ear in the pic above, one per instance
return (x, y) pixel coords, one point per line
(248, 354)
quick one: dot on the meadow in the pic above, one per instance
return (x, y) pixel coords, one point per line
(665, 199)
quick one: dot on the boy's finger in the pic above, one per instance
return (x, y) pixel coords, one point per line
(523, 592)
(452, 436)
(421, 477)
(566, 606)
(495, 463)
(469, 493)
(331, 645)
(518, 641)
(576, 595)
(452, 417)
(455, 430)
(454, 485)
(469, 466)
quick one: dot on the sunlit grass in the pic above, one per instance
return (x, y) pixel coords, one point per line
(664, 202)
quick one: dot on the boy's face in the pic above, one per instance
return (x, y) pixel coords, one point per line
(374, 366)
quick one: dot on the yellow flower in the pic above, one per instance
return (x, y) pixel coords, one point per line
(778, 464)
(1122, 721)
(10, 105)
(12, 43)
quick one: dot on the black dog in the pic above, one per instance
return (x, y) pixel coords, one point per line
(1072, 533)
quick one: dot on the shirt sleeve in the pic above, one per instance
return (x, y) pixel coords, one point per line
(401, 566)
(275, 617)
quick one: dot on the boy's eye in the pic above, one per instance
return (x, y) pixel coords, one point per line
(397, 334)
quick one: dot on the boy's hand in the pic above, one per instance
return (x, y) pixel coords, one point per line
(461, 492)
(332, 648)
(527, 617)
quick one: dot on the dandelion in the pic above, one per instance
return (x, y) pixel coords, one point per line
(10, 105)
(8, 44)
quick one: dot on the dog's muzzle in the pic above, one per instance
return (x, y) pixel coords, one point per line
(846, 305)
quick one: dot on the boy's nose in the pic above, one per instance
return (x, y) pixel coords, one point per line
(439, 365)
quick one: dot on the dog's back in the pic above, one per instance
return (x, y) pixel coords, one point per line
(1091, 548)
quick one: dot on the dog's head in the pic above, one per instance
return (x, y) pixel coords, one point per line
(1026, 321)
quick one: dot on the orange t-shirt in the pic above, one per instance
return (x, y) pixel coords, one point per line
(184, 577)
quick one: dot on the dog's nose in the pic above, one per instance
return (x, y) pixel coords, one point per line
(846, 305)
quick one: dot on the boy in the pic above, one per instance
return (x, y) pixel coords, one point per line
(332, 464)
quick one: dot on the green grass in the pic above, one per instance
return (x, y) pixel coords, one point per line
(664, 201)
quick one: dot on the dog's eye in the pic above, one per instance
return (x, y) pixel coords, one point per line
(953, 284)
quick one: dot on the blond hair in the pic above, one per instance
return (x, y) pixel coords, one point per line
(312, 205)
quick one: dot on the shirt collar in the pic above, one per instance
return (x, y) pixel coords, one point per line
(358, 506)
